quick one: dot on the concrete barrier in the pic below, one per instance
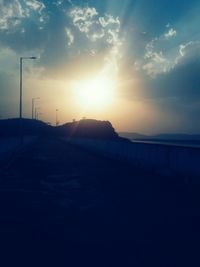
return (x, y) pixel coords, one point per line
(162, 158)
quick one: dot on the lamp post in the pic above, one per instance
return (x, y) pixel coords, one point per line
(21, 95)
(21, 83)
(33, 106)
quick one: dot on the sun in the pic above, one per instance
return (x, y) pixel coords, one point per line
(96, 93)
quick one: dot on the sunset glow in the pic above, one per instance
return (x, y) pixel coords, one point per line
(108, 60)
(94, 94)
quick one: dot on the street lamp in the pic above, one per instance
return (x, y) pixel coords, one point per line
(57, 122)
(33, 106)
(21, 83)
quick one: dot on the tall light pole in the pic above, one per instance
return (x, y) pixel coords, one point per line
(21, 83)
(33, 105)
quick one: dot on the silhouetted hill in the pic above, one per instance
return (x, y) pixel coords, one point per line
(83, 128)
(133, 135)
(177, 136)
(12, 127)
(88, 128)
(161, 137)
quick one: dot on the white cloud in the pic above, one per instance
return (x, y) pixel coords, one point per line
(170, 34)
(39, 8)
(112, 37)
(35, 5)
(83, 18)
(100, 30)
(178, 45)
(12, 13)
(189, 49)
(96, 35)
(94, 27)
(108, 20)
(155, 62)
(160, 57)
(70, 36)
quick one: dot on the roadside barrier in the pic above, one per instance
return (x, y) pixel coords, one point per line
(162, 158)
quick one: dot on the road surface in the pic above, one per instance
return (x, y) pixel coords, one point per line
(62, 206)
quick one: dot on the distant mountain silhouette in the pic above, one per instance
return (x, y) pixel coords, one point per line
(133, 135)
(160, 137)
(84, 128)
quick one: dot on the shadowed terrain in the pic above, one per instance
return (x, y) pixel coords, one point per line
(62, 206)
(87, 128)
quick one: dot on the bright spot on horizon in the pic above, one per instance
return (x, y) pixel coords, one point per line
(94, 93)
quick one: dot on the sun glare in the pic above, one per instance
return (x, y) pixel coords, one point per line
(96, 93)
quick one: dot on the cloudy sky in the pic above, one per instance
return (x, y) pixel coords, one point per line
(148, 49)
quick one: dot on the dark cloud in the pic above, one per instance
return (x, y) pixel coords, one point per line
(176, 93)
(182, 82)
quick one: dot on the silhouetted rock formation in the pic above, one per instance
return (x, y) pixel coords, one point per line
(88, 128)
(84, 128)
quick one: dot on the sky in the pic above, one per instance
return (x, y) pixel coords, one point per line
(135, 63)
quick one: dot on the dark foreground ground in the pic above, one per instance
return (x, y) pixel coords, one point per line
(61, 206)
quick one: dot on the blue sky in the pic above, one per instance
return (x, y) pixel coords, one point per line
(152, 48)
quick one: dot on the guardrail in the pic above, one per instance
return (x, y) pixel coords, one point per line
(167, 159)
